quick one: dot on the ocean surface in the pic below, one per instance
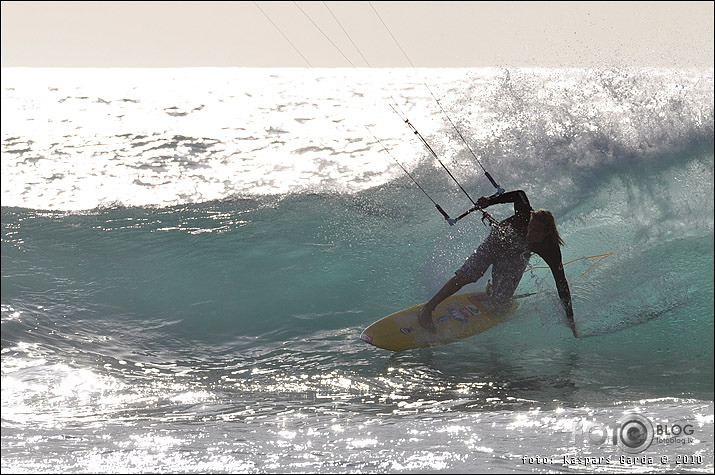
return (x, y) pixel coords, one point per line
(189, 257)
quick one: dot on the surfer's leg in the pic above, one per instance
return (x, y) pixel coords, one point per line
(506, 275)
(471, 271)
(450, 288)
(478, 262)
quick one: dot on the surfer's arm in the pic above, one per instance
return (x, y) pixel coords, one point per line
(562, 286)
(553, 259)
(518, 197)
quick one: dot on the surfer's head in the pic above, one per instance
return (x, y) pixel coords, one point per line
(542, 227)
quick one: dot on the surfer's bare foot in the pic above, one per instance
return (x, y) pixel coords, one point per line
(425, 318)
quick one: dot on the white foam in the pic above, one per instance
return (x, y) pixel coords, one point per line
(77, 139)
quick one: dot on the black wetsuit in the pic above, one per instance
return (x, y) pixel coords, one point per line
(507, 250)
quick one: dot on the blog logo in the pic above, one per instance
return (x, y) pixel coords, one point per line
(635, 433)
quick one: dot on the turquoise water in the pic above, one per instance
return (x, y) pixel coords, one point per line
(174, 330)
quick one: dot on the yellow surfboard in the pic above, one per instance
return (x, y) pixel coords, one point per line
(457, 317)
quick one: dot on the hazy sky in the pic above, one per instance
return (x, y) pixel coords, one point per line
(432, 34)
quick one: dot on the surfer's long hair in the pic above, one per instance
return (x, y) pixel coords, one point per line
(546, 218)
